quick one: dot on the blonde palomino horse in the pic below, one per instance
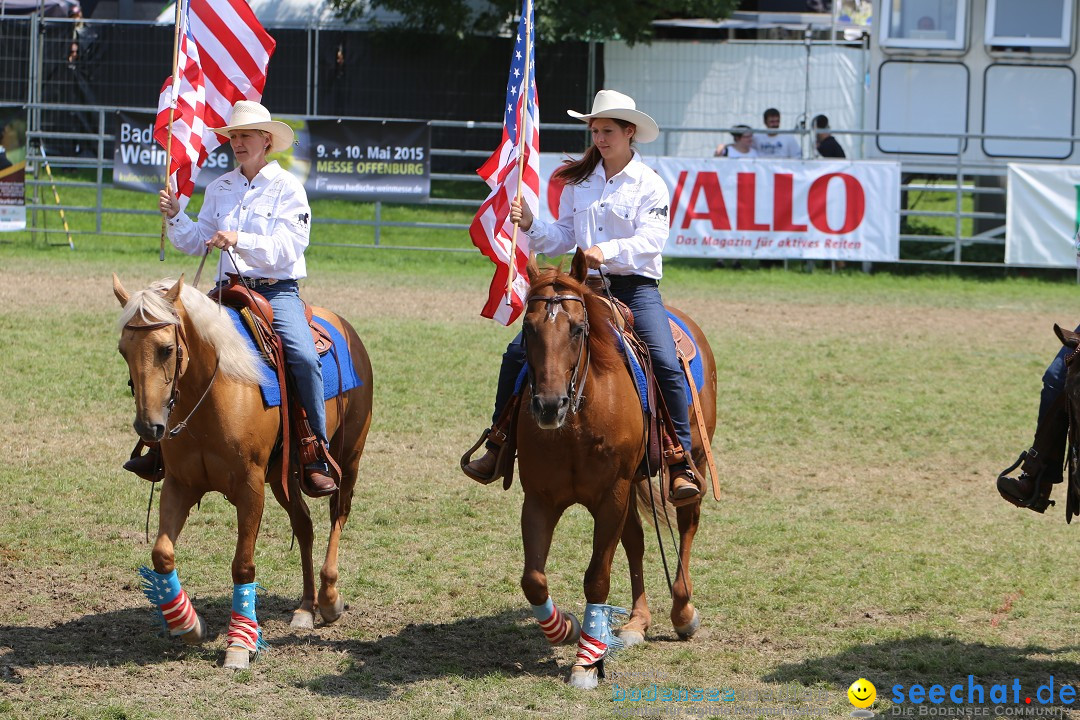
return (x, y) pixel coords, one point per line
(580, 440)
(190, 368)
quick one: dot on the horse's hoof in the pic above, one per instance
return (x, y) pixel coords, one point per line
(583, 677)
(332, 613)
(197, 634)
(631, 637)
(237, 658)
(302, 620)
(685, 632)
(575, 629)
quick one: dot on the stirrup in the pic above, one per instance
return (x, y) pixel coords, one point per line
(466, 459)
(692, 477)
(1039, 499)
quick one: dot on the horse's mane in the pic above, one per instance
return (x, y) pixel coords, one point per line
(604, 352)
(213, 326)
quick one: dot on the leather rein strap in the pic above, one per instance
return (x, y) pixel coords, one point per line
(181, 341)
(553, 304)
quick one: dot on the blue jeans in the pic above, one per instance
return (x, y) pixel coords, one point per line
(1054, 381)
(642, 296)
(300, 354)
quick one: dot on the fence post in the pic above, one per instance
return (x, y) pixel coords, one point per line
(100, 168)
(959, 196)
(378, 221)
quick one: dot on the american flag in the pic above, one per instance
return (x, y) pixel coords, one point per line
(222, 58)
(491, 229)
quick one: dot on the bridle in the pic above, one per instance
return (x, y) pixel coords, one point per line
(180, 342)
(553, 304)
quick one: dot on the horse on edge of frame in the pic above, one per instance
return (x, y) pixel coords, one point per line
(581, 439)
(177, 342)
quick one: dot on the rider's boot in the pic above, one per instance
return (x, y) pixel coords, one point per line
(148, 465)
(1041, 465)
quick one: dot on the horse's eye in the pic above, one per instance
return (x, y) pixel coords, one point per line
(165, 352)
(577, 329)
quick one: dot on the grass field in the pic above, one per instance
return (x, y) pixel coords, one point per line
(862, 419)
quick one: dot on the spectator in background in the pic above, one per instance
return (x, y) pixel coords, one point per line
(13, 141)
(774, 145)
(826, 144)
(741, 145)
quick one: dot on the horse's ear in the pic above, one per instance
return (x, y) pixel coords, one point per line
(118, 290)
(174, 291)
(532, 268)
(1067, 337)
(579, 268)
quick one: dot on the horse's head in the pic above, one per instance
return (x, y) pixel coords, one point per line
(560, 343)
(152, 343)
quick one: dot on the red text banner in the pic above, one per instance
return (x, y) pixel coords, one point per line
(772, 209)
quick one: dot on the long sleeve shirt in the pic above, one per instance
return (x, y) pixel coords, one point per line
(270, 215)
(626, 216)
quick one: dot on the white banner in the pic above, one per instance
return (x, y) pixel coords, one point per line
(1041, 215)
(772, 209)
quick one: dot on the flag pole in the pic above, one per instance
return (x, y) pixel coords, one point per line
(172, 109)
(522, 130)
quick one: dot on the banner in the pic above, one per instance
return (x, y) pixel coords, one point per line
(364, 160)
(772, 209)
(1042, 213)
(368, 160)
(12, 168)
(139, 162)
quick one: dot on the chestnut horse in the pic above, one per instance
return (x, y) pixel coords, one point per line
(589, 453)
(191, 369)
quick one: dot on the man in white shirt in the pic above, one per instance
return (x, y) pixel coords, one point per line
(773, 145)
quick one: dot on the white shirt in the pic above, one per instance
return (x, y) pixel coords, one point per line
(626, 216)
(730, 151)
(270, 214)
(776, 146)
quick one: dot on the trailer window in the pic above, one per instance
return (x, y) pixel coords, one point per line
(1032, 25)
(931, 24)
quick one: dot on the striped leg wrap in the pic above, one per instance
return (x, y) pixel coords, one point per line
(164, 591)
(597, 641)
(551, 622)
(244, 630)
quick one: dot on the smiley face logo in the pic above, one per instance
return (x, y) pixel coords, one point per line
(862, 693)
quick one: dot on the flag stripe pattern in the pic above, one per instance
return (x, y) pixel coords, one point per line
(491, 230)
(590, 650)
(551, 622)
(222, 57)
(243, 624)
(172, 601)
(597, 639)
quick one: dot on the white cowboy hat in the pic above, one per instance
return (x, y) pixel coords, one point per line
(613, 104)
(250, 115)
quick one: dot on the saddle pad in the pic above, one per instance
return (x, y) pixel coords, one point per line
(269, 385)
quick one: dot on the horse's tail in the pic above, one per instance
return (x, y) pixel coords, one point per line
(648, 499)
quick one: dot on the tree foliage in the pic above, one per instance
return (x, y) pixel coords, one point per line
(628, 20)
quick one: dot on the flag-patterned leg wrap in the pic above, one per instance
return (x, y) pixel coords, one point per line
(597, 641)
(164, 591)
(244, 630)
(551, 622)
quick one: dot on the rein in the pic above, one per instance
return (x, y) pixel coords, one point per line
(581, 366)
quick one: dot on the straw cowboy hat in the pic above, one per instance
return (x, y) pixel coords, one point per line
(250, 115)
(613, 104)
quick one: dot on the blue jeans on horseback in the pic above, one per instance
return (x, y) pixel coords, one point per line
(1042, 464)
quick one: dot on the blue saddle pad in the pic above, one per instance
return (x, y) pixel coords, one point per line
(697, 369)
(269, 384)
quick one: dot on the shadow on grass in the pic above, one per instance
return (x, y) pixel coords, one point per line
(929, 660)
(500, 644)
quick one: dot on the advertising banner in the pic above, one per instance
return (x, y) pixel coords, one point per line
(773, 209)
(369, 160)
(1042, 215)
(364, 160)
(12, 168)
(139, 162)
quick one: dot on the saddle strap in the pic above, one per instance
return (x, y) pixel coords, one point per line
(285, 439)
(705, 444)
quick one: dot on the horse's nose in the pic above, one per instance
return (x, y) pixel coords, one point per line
(550, 409)
(151, 432)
